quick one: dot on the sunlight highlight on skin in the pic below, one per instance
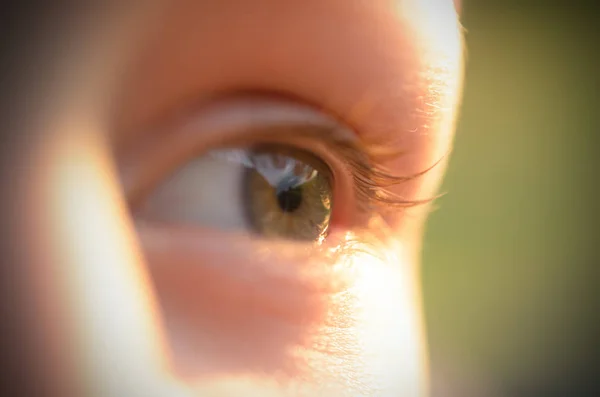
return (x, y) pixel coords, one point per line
(114, 313)
(368, 343)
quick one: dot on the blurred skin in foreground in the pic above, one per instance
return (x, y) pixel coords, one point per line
(144, 275)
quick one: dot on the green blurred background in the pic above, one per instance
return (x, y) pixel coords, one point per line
(510, 258)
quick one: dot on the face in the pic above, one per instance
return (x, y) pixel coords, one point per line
(227, 198)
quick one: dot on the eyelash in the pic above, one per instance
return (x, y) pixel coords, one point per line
(372, 180)
(364, 161)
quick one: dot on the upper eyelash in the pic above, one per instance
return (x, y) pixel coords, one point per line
(372, 180)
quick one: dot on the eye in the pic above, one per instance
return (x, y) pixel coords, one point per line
(289, 194)
(262, 165)
(274, 191)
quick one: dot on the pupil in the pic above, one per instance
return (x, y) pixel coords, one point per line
(290, 199)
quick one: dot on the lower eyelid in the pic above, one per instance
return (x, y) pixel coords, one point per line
(304, 266)
(269, 297)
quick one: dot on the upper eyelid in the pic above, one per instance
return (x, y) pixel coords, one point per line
(219, 122)
(362, 160)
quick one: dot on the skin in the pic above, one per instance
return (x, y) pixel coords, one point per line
(119, 307)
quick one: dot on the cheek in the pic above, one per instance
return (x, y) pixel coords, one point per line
(234, 310)
(221, 318)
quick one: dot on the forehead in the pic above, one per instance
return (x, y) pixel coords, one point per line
(338, 55)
